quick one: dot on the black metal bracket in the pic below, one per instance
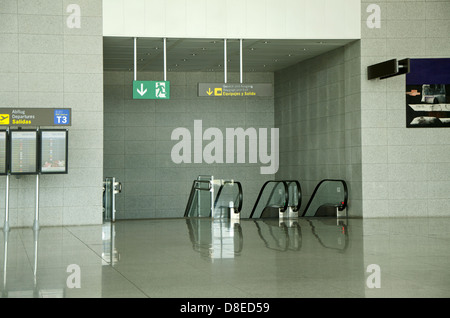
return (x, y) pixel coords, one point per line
(388, 69)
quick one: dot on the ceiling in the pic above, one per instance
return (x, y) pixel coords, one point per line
(203, 55)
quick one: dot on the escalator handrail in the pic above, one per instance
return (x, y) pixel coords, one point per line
(239, 208)
(241, 196)
(286, 195)
(340, 207)
(299, 193)
(191, 195)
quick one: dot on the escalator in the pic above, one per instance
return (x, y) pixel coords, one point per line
(278, 199)
(215, 198)
(329, 199)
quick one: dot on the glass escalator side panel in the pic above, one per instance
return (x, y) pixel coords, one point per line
(272, 197)
(294, 195)
(327, 197)
(200, 205)
(227, 196)
(193, 207)
(107, 200)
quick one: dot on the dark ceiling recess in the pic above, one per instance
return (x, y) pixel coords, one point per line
(203, 55)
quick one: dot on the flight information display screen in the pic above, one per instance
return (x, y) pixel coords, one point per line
(23, 152)
(3, 141)
(53, 151)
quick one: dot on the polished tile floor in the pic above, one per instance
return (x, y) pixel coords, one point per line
(201, 258)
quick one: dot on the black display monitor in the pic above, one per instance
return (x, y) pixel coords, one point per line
(54, 151)
(3, 152)
(23, 152)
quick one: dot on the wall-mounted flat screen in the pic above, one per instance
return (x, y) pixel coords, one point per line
(3, 151)
(54, 151)
(23, 152)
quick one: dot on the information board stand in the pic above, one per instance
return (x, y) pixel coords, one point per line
(32, 152)
(4, 171)
(36, 214)
(6, 224)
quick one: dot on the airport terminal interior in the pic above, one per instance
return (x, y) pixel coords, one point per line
(224, 149)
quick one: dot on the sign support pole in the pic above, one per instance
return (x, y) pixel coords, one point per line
(225, 60)
(6, 224)
(36, 215)
(241, 62)
(135, 57)
(165, 59)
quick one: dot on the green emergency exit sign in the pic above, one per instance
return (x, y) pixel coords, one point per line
(151, 90)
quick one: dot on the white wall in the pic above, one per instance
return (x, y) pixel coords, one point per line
(256, 19)
(406, 171)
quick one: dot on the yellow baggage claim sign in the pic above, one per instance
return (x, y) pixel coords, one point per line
(234, 90)
(35, 117)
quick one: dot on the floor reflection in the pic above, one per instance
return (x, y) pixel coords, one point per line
(200, 257)
(330, 234)
(280, 235)
(218, 238)
(223, 238)
(285, 235)
(20, 283)
(110, 254)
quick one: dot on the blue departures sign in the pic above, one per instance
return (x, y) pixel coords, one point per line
(61, 117)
